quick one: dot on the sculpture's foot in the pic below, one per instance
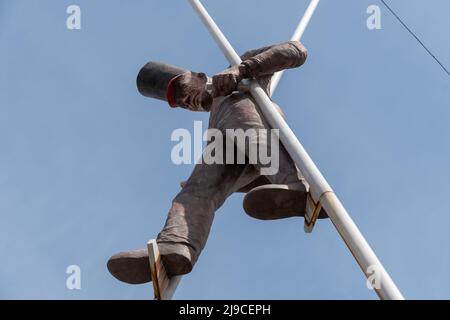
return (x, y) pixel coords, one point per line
(133, 266)
(277, 201)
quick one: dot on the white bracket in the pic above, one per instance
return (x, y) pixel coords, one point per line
(163, 286)
(312, 213)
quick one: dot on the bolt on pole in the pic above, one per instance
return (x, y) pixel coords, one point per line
(320, 189)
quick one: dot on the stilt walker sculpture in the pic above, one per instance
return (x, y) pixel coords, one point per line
(289, 192)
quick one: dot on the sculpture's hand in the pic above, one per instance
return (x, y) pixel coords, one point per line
(226, 82)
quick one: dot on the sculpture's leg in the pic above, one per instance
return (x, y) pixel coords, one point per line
(192, 212)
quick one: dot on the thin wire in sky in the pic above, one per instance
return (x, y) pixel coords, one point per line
(416, 37)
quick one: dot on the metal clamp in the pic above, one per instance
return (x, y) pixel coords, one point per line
(312, 213)
(163, 286)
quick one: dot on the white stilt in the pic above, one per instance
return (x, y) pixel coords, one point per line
(298, 33)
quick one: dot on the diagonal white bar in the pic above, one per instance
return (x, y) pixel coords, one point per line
(320, 190)
(304, 21)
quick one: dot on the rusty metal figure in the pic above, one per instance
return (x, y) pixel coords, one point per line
(190, 217)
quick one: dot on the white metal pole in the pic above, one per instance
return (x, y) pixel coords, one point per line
(304, 21)
(320, 190)
(170, 290)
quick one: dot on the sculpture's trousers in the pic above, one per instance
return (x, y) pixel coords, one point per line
(190, 218)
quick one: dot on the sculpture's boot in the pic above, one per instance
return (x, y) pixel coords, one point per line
(277, 201)
(133, 266)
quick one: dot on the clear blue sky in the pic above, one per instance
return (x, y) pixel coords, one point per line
(85, 167)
